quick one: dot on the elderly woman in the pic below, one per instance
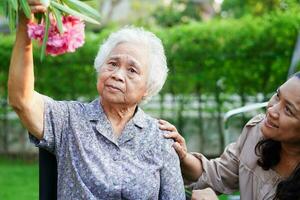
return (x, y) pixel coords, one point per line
(264, 163)
(109, 148)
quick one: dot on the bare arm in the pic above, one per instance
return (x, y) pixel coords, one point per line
(191, 167)
(27, 103)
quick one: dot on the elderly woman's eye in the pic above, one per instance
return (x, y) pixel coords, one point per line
(132, 70)
(114, 64)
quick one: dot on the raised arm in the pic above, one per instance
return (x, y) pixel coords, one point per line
(27, 103)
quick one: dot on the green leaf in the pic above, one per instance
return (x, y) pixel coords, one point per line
(83, 8)
(39, 17)
(58, 18)
(25, 8)
(46, 34)
(5, 8)
(11, 17)
(14, 4)
(73, 12)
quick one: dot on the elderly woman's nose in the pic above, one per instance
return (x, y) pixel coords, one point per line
(119, 74)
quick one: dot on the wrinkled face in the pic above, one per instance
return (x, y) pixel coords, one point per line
(282, 122)
(123, 76)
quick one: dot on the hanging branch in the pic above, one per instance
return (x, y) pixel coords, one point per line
(60, 29)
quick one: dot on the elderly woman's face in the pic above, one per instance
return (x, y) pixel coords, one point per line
(282, 122)
(123, 76)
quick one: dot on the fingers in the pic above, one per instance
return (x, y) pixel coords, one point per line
(38, 9)
(34, 2)
(179, 144)
(164, 125)
(36, 6)
(175, 136)
(180, 150)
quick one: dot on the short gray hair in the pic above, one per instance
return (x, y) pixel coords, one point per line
(158, 69)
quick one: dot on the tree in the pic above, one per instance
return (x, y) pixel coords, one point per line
(238, 8)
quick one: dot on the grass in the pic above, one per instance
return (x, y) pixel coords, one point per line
(229, 197)
(18, 180)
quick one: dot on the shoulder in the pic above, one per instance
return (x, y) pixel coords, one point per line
(66, 106)
(71, 103)
(251, 133)
(153, 130)
(250, 137)
(252, 128)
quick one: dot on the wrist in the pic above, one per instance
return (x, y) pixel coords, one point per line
(184, 157)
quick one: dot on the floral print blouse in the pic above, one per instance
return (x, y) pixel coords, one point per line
(140, 164)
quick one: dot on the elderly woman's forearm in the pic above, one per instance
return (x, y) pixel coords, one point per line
(21, 75)
(191, 168)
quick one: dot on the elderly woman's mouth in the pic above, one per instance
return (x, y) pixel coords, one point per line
(114, 88)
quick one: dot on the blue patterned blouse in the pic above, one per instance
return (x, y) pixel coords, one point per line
(140, 164)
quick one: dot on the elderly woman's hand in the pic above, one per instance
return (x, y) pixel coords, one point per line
(179, 145)
(36, 6)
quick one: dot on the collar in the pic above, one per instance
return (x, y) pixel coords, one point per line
(94, 112)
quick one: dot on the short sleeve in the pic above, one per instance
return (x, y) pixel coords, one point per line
(56, 115)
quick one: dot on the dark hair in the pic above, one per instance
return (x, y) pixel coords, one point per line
(289, 188)
(268, 152)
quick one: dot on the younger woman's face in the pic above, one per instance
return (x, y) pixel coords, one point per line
(282, 122)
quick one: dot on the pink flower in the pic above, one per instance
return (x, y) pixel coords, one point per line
(75, 32)
(69, 41)
(36, 31)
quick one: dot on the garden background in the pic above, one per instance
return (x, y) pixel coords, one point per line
(221, 55)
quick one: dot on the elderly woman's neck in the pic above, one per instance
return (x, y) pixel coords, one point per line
(118, 115)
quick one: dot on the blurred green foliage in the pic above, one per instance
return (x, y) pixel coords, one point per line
(177, 12)
(238, 8)
(248, 55)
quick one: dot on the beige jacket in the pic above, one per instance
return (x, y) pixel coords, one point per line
(236, 169)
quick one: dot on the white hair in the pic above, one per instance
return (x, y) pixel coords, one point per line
(157, 65)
